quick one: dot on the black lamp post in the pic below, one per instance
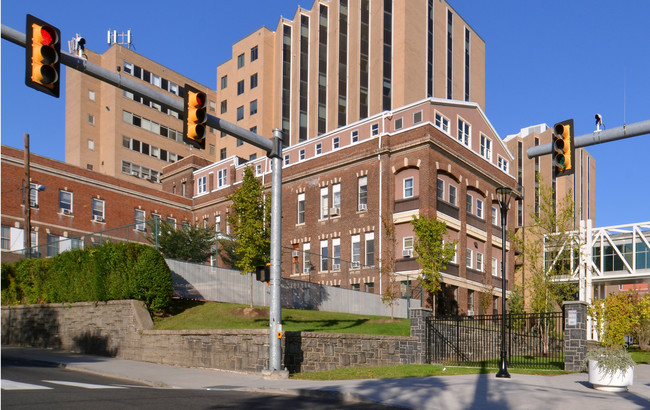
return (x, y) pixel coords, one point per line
(504, 194)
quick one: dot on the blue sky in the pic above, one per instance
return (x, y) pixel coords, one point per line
(546, 61)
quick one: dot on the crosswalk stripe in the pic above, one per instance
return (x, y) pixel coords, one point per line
(12, 385)
(83, 385)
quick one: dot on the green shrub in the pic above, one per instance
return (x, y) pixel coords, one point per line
(110, 272)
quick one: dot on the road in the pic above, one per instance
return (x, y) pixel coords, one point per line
(44, 386)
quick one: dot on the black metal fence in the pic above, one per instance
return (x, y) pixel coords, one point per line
(533, 341)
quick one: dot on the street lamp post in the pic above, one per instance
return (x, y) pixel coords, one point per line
(504, 194)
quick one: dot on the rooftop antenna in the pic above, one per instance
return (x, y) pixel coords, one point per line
(123, 39)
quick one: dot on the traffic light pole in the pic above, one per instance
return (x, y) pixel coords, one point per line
(597, 137)
(273, 150)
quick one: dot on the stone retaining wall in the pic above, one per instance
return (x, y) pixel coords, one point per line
(123, 329)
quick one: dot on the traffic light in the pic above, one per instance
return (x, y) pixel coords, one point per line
(263, 273)
(42, 56)
(563, 148)
(195, 117)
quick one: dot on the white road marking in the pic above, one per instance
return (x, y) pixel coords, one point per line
(83, 385)
(12, 385)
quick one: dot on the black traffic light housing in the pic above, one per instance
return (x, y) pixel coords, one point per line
(42, 56)
(263, 273)
(195, 114)
(563, 153)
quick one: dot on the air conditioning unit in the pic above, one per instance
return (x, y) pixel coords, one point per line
(356, 265)
(363, 207)
(335, 211)
(336, 266)
(407, 253)
(66, 211)
(98, 218)
(295, 254)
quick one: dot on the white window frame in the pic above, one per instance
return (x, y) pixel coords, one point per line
(369, 238)
(336, 143)
(440, 187)
(374, 129)
(469, 203)
(354, 136)
(469, 259)
(442, 123)
(406, 187)
(479, 208)
(139, 220)
(319, 148)
(336, 196)
(479, 262)
(222, 178)
(324, 259)
(417, 117)
(301, 209)
(502, 163)
(62, 208)
(355, 250)
(495, 267)
(306, 258)
(302, 155)
(336, 253)
(495, 216)
(324, 202)
(455, 196)
(464, 132)
(202, 185)
(362, 194)
(486, 147)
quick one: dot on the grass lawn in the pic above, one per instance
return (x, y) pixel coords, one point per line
(193, 315)
(639, 356)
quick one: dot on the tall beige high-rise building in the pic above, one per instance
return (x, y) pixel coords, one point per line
(345, 60)
(120, 134)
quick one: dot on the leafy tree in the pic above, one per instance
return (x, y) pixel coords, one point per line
(433, 253)
(189, 243)
(250, 221)
(391, 294)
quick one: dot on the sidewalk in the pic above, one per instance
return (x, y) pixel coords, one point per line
(451, 392)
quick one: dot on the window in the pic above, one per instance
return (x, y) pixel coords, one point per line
(65, 202)
(138, 220)
(486, 147)
(91, 95)
(5, 244)
(319, 149)
(408, 187)
(495, 267)
(407, 247)
(370, 249)
(91, 119)
(222, 178)
(469, 259)
(224, 82)
(239, 142)
(287, 159)
(463, 132)
(479, 261)
(502, 163)
(240, 87)
(324, 202)
(399, 123)
(362, 197)
(33, 194)
(336, 196)
(442, 123)
(222, 154)
(91, 145)
(240, 113)
(302, 154)
(172, 221)
(98, 210)
(213, 106)
(470, 301)
(241, 59)
(454, 258)
(441, 189)
(355, 136)
(301, 208)
(202, 185)
(356, 251)
(469, 202)
(336, 143)
(323, 255)
(479, 208)
(374, 129)
(306, 259)
(254, 53)
(495, 216)
(253, 107)
(370, 287)
(336, 254)
(452, 194)
(224, 106)
(253, 81)
(417, 117)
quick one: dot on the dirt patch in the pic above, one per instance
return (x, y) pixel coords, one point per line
(251, 313)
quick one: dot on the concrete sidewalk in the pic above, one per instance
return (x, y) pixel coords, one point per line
(483, 391)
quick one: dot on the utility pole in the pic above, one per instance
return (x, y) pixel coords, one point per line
(27, 205)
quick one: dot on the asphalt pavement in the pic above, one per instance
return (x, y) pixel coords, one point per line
(482, 391)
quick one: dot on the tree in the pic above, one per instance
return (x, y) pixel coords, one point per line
(189, 243)
(433, 253)
(549, 251)
(391, 294)
(250, 221)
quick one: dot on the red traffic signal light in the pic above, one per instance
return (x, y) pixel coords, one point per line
(42, 56)
(195, 117)
(563, 148)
